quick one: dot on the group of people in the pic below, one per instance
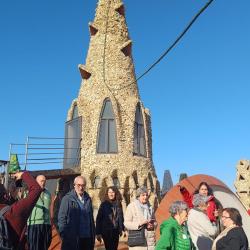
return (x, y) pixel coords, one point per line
(192, 224)
(76, 223)
(27, 218)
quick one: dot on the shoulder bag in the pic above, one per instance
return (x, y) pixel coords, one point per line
(137, 238)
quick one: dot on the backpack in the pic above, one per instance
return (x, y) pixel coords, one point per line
(5, 243)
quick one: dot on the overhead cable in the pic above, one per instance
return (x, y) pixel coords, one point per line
(172, 45)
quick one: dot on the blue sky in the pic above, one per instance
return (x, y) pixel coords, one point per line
(198, 95)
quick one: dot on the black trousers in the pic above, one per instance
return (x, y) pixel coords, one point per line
(111, 239)
(86, 244)
(77, 244)
(39, 237)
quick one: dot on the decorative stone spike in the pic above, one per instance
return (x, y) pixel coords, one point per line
(84, 72)
(120, 9)
(126, 48)
(92, 29)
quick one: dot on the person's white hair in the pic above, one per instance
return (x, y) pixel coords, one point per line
(141, 190)
(80, 177)
(41, 176)
(177, 207)
(199, 199)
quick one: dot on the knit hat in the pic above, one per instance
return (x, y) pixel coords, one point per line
(141, 190)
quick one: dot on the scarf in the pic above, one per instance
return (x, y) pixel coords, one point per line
(145, 208)
(114, 216)
(221, 235)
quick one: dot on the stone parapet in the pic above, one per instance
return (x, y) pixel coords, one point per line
(242, 182)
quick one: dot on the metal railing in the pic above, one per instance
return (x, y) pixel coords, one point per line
(45, 151)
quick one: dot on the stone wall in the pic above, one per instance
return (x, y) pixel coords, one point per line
(242, 182)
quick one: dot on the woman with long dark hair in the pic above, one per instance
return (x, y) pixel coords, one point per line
(109, 220)
(203, 189)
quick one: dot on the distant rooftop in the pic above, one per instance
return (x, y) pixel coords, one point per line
(3, 162)
(167, 182)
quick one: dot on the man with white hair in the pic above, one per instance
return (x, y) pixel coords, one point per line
(39, 225)
(200, 227)
(75, 218)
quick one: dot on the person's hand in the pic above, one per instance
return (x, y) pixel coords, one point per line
(181, 188)
(150, 226)
(145, 222)
(17, 175)
(123, 234)
(99, 238)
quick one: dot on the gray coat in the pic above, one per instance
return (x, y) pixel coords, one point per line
(68, 219)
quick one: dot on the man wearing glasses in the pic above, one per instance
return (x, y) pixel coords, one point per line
(75, 218)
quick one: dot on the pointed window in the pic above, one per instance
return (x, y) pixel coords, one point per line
(97, 182)
(72, 142)
(116, 182)
(107, 142)
(75, 112)
(139, 134)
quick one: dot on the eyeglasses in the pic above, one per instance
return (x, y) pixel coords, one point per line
(225, 217)
(80, 185)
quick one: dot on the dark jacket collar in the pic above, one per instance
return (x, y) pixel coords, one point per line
(73, 194)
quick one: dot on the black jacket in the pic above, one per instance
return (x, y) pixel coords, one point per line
(234, 240)
(104, 221)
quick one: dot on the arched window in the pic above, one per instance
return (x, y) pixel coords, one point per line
(139, 133)
(97, 181)
(72, 142)
(75, 112)
(116, 182)
(107, 141)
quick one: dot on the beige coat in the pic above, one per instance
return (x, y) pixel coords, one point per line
(201, 229)
(132, 219)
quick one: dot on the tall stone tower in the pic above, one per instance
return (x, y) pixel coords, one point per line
(116, 140)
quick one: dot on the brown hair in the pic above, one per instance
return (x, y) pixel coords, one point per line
(117, 194)
(209, 189)
(234, 215)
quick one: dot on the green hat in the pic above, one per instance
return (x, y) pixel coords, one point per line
(14, 164)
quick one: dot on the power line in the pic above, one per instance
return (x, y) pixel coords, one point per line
(171, 46)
